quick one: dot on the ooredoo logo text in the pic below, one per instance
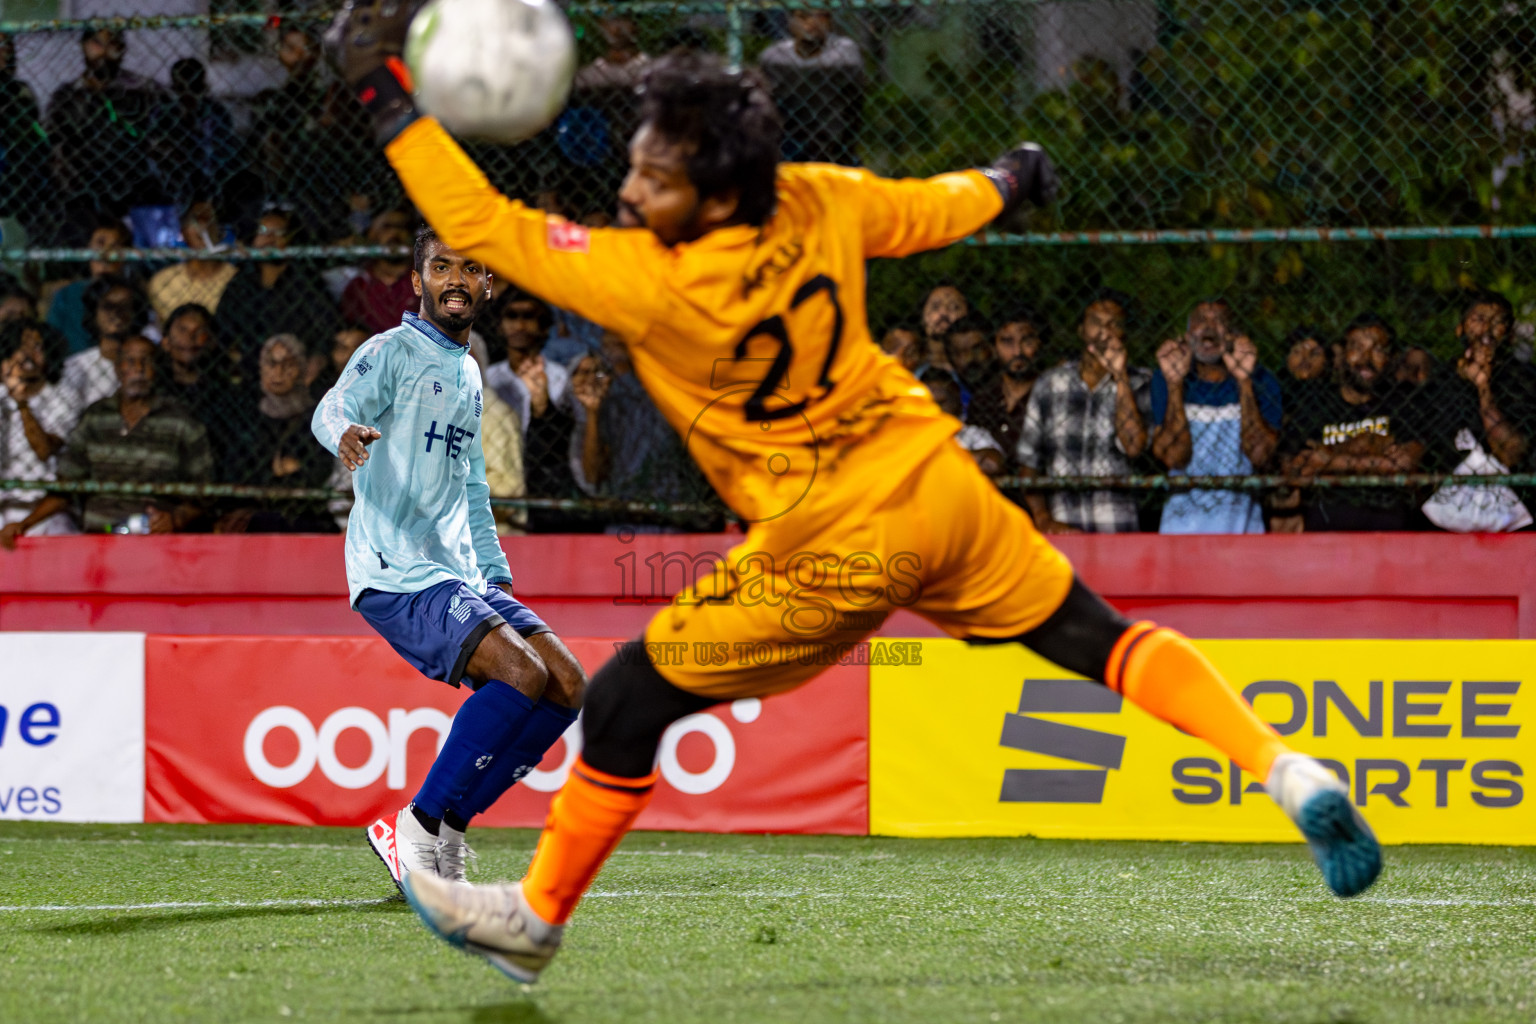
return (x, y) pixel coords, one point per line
(388, 739)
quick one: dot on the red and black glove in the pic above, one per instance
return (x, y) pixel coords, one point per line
(1023, 174)
(364, 44)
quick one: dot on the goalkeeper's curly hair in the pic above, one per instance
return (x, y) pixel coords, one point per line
(727, 118)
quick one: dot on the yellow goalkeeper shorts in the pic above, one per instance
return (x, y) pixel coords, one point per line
(949, 546)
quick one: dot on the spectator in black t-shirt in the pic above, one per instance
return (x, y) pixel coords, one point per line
(195, 377)
(969, 345)
(1366, 424)
(23, 173)
(1486, 403)
(1308, 366)
(1417, 366)
(1307, 373)
(314, 140)
(97, 125)
(1491, 395)
(817, 78)
(998, 406)
(192, 138)
(275, 297)
(278, 449)
(286, 116)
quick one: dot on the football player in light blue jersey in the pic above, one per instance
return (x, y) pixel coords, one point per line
(424, 566)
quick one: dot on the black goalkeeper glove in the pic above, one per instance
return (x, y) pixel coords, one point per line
(364, 44)
(1021, 174)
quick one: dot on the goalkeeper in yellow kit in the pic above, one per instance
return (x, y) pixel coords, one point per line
(737, 283)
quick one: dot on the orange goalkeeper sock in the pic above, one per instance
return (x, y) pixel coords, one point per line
(586, 820)
(1162, 673)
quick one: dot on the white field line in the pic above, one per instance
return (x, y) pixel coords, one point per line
(639, 894)
(1045, 898)
(1040, 898)
(190, 905)
(229, 844)
(232, 844)
(237, 845)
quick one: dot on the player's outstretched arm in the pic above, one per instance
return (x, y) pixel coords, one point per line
(606, 276)
(342, 421)
(911, 215)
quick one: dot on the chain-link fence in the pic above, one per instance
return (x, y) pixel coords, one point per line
(1342, 176)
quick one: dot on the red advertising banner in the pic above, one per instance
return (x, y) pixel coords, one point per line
(340, 731)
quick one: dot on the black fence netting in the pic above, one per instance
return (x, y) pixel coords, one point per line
(1291, 251)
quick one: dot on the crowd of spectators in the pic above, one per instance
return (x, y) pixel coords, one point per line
(112, 140)
(205, 371)
(1361, 406)
(226, 371)
(226, 357)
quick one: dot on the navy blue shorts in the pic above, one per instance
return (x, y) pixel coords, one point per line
(437, 629)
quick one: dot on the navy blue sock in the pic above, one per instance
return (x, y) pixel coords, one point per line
(522, 754)
(480, 730)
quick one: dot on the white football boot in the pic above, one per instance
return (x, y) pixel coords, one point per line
(493, 921)
(453, 854)
(1342, 843)
(403, 845)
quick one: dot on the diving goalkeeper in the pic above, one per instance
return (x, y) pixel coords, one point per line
(737, 283)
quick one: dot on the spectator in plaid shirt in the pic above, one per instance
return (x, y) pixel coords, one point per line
(1087, 417)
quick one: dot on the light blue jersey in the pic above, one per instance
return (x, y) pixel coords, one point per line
(422, 514)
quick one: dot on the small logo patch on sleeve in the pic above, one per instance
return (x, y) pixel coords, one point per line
(563, 236)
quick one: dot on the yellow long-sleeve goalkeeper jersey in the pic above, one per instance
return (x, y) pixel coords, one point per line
(751, 341)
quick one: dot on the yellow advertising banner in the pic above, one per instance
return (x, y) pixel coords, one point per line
(1433, 738)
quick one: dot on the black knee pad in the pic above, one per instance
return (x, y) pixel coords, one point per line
(629, 705)
(1079, 635)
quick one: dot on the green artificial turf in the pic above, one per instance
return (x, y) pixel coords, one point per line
(280, 923)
